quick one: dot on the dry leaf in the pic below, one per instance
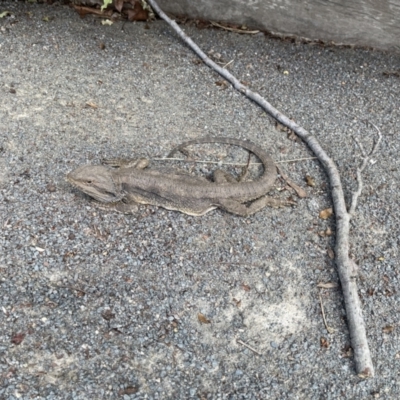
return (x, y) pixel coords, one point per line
(325, 214)
(347, 351)
(388, 293)
(280, 127)
(18, 338)
(328, 285)
(310, 181)
(246, 287)
(223, 84)
(51, 187)
(284, 149)
(108, 315)
(203, 319)
(237, 302)
(128, 390)
(327, 232)
(118, 4)
(324, 343)
(138, 13)
(331, 253)
(388, 329)
(91, 104)
(131, 390)
(292, 136)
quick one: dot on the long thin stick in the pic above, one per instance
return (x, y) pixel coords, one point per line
(328, 328)
(228, 163)
(345, 265)
(249, 347)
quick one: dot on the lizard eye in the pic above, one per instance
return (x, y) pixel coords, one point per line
(89, 182)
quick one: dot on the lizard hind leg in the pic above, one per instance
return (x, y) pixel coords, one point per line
(220, 176)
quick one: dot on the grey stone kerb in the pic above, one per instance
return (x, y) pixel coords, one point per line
(370, 23)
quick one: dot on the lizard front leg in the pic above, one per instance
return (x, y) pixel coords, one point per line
(124, 207)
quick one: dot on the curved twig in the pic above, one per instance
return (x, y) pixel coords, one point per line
(346, 267)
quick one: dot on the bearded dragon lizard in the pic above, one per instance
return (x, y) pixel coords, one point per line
(122, 188)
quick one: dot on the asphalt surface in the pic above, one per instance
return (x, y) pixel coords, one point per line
(161, 305)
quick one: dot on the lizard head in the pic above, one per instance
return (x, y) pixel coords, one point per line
(96, 181)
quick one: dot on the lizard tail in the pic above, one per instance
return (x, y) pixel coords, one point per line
(270, 171)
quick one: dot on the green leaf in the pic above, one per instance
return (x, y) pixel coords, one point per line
(106, 3)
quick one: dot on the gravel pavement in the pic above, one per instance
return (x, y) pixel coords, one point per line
(161, 305)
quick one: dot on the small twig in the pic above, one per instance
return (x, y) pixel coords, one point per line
(245, 171)
(67, 287)
(359, 144)
(366, 159)
(204, 162)
(328, 328)
(249, 347)
(227, 28)
(230, 62)
(296, 159)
